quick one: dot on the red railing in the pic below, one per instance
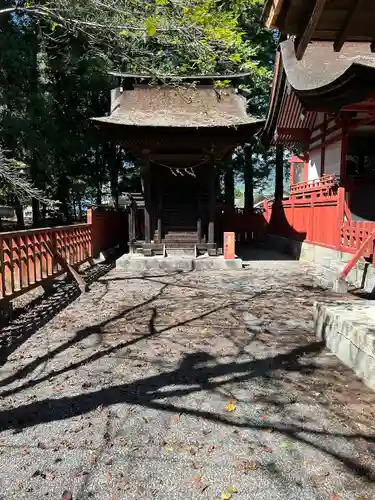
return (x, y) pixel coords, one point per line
(354, 234)
(316, 188)
(29, 258)
(247, 226)
(109, 228)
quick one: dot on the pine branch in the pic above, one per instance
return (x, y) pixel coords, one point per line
(11, 174)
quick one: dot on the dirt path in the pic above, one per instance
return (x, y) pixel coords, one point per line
(182, 386)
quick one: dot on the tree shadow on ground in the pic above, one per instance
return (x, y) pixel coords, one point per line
(197, 372)
(27, 320)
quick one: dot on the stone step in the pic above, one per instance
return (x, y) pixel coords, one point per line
(180, 244)
(180, 236)
(181, 251)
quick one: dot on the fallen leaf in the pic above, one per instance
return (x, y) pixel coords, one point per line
(247, 466)
(176, 419)
(334, 497)
(230, 406)
(50, 475)
(225, 496)
(197, 481)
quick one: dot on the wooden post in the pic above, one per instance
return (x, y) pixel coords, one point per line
(159, 219)
(199, 222)
(147, 209)
(94, 234)
(340, 214)
(211, 208)
(131, 226)
(279, 175)
(344, 150)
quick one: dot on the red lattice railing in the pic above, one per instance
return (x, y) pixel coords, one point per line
(28, 258)
(353, 236)
(317, 187)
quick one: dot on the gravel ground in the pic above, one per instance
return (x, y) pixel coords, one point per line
(184, 386)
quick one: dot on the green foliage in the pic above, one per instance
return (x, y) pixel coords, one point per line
(54, 58)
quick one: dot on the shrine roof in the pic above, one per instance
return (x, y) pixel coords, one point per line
(179, 106)
(324, 80)
(321, 66)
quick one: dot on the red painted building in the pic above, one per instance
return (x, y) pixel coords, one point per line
(322, 104)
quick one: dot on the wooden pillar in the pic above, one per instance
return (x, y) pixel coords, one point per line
(211, 207)
(344, 150)
(132, 229)
(147, 196)
(199, 222)
(279, 174)
(159, 218)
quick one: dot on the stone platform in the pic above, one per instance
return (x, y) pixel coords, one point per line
(348, 330)
(140, 263)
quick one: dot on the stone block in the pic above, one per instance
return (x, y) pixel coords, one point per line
(216, 263)
(142, 264)
(340, 286)
(348, 330)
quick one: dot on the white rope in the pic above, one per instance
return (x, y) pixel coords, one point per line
(180, 168)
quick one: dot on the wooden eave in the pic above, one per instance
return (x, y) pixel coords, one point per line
(326, 80)
(332, 20)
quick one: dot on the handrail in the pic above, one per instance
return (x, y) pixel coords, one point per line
(29, 232)
(360, 252)
(326, 181)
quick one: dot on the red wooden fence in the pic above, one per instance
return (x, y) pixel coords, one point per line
(247, 226)
(28, 258)
(315, 222)
(109, 228)
(317, 213)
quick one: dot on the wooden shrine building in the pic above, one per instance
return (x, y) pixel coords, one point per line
(178, 132)
(322, 107)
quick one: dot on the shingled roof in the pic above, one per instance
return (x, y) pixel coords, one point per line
(321, 66)
(323, 79)
(179, 106)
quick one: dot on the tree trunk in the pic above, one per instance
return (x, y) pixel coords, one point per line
(279, 174)
(36, 212)
(249, 180)
(19, 213)
(99, 194)
(115, 165)
(229, 187)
